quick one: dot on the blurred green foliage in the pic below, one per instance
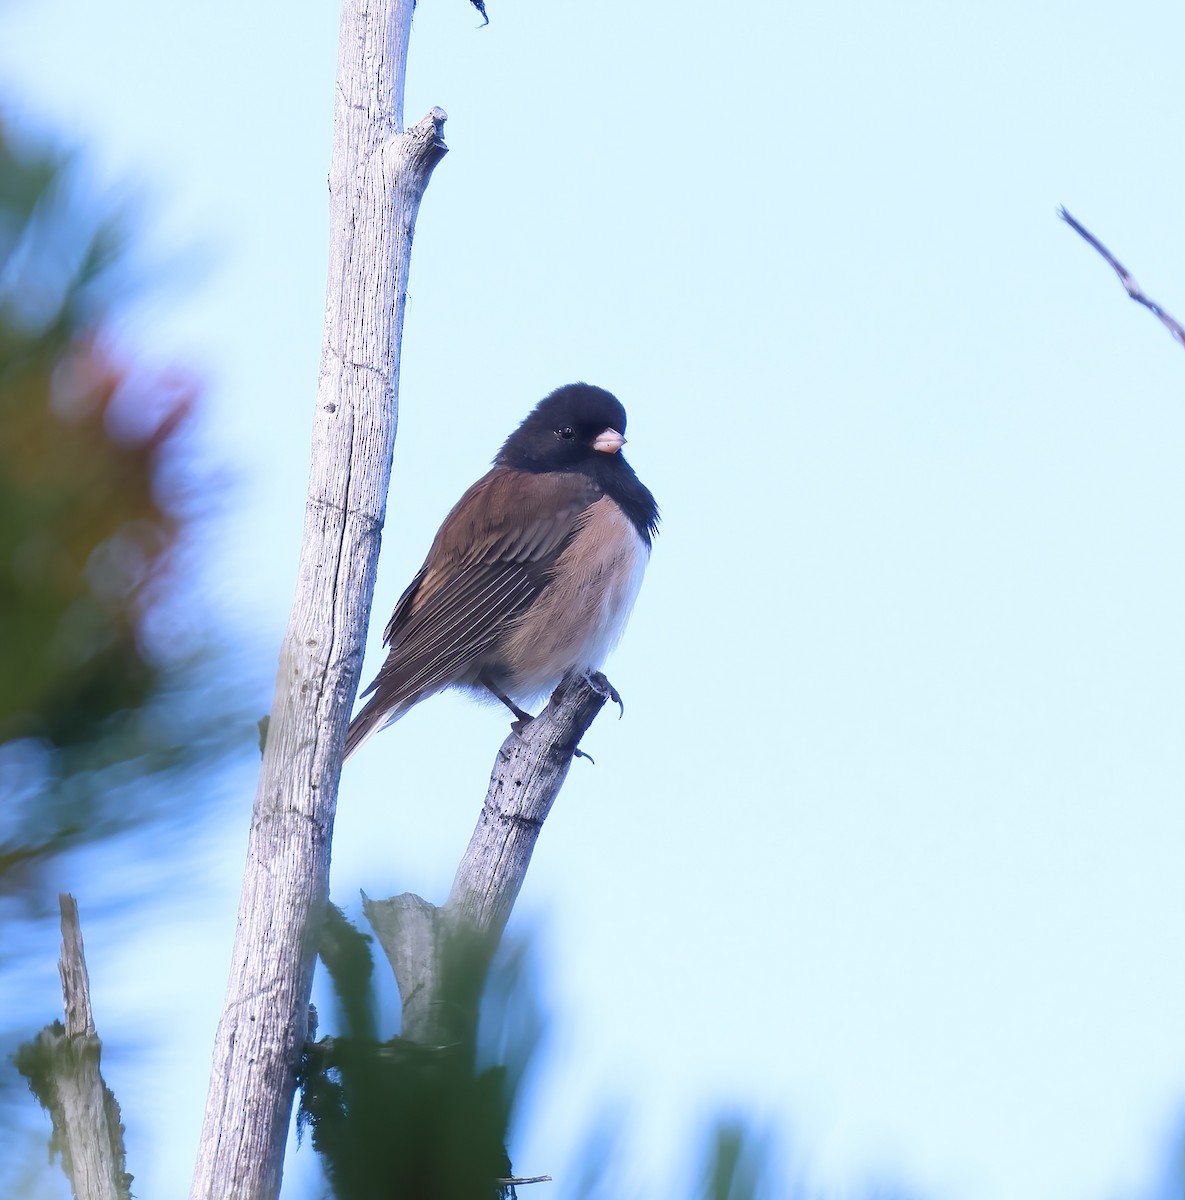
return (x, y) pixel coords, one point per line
(91, 524)
(112, 712)
(83, 443)
(83, 535)
(738, 1162)
(395, 1119)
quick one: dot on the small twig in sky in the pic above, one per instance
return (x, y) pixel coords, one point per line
(1132, 288)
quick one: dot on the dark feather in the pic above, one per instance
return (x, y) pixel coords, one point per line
(533, 571)
(490, 559)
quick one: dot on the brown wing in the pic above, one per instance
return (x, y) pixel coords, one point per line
(490, 559)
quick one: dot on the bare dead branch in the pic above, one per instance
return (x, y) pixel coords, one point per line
(423, 942)
(76, 984)
(529, 771)
(378, 173)
(1132, 288)
(62, 1067)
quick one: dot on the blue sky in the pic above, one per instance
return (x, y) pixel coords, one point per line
(886, 848)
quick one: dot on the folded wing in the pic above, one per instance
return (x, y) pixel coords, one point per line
(489, 561)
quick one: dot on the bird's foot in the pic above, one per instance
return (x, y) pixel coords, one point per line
(522, 717)
(603, 685)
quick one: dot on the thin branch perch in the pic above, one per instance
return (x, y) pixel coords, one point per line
(1132, 288)
(422, 941)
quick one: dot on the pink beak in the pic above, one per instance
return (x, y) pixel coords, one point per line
(608, 441)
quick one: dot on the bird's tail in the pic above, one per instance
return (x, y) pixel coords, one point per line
(377, 714)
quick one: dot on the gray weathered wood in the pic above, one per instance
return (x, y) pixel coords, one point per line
(377, 177)
(62, 1065)
(76, 983)
(409, 929)
(417, 936)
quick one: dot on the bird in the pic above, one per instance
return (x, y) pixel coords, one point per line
(533, 574)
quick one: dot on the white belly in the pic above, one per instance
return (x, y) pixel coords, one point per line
(581, 615)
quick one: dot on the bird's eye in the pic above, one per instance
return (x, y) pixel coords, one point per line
(566, 432)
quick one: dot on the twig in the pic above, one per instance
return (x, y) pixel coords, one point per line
(1132, 288)
(524, 1179)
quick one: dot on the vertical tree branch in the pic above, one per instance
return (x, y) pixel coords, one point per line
(76, 981)
(377, 177)
(62, 1067)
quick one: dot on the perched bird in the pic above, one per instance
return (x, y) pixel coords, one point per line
(532, 575)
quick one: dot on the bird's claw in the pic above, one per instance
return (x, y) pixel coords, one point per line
(604, 686)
